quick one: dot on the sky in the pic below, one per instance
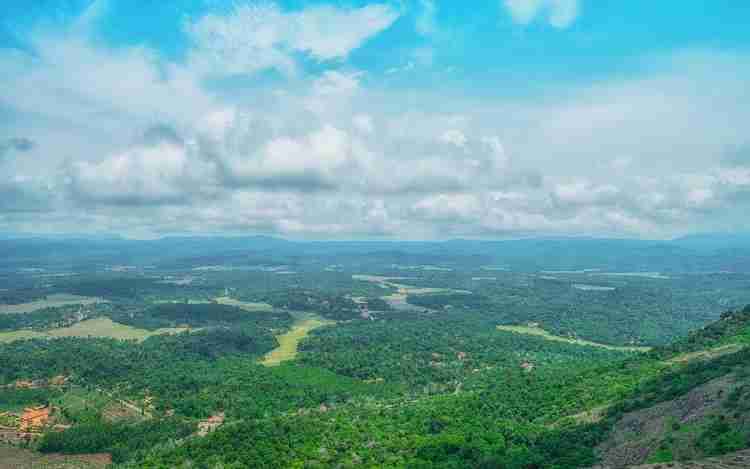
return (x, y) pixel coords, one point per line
(403, 119)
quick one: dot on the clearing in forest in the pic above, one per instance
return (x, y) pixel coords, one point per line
(398, 299)
(99, 327)
(52, 301)
(288, 342)
(249, 307)
(406, 289)
(539, 332)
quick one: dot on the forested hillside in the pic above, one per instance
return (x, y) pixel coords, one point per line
(345, 358)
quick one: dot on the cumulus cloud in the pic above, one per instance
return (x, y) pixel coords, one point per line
(161, 170)
(455, 137)
(317, 160)
(355, 156)
(325, 153)
(557, 13)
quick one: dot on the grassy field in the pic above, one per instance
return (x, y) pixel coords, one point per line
(52, 301)
(99, 327)
(288, 341)
(250, 307)
(539, 332)
(78, 400)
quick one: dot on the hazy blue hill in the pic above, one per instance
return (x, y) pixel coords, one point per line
(698, 253)
(715, 241)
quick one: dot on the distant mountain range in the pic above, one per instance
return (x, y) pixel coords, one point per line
(695, 253)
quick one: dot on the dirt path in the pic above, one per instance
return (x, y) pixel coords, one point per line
(705, 354)
(127, 404)
(539, 332)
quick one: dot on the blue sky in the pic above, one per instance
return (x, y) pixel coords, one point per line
(360, 119)
(483, 42)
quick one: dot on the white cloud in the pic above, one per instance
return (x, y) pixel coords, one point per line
(326, 153)
(162, 173)
(455, 137)
(563, 12)
(558, 13)
(448, 207)
(332, 89)
(497, 149)
(363, 123)
(582, 192)
(74, 81)
(262, 36)
(426, 22)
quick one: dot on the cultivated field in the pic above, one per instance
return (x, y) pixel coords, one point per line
(289, 341)
(52, 301)
(18, 458)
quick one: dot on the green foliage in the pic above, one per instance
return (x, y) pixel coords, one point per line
(181, 314)
(636, 311)
(123, 441)
(433, 350)
(47, 318)
(720, 437)
(732, 327)
(329, 305)
(438, 386)
(21, 295)
(678, 381)
(15, 399)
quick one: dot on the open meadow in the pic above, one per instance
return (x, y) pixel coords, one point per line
(98, 327)
(289, 341)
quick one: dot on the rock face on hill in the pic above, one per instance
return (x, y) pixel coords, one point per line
(695, 416)
(739, 460)
(671, 429)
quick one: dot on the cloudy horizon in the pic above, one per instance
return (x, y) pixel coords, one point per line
(374, 120)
